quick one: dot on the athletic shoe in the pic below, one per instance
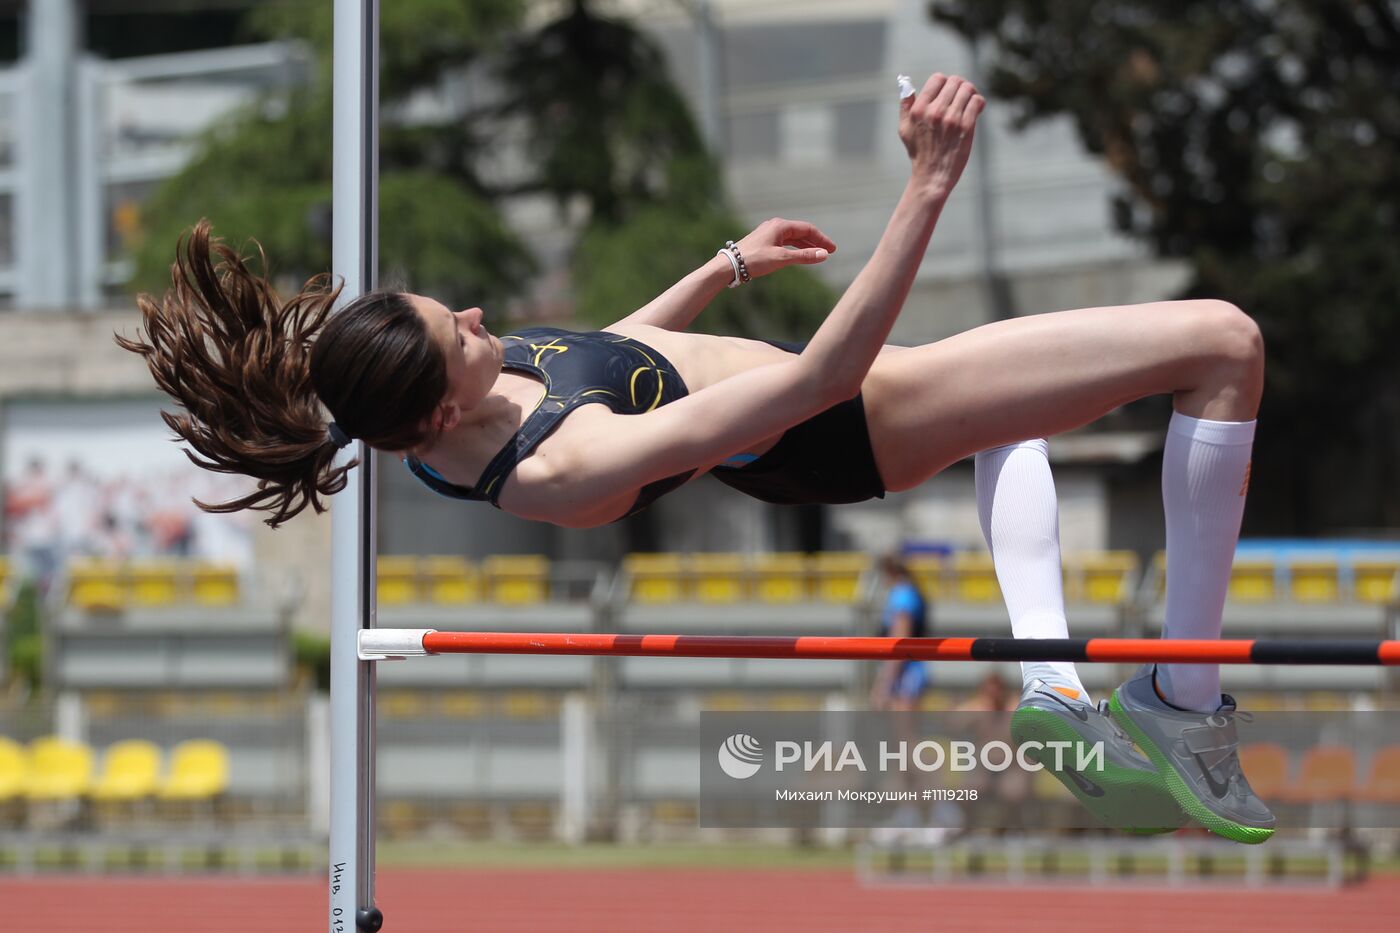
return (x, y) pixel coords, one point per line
(1197, 755)
(1127, 793)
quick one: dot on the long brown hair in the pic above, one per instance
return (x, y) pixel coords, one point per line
(252, 371)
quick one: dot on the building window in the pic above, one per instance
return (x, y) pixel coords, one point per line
(808, 134)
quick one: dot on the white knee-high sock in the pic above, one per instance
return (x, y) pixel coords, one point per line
(1205, 474)
(1020, 519)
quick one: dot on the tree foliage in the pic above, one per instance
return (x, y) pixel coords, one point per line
(606, 136)
(1260, 141)
(608, 129)
(266, 173)
(662, 244)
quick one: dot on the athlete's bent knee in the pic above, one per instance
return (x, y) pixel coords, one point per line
(1238, 335)
(1236, 345)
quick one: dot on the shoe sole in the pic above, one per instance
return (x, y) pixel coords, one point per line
(1031, 724)
(1180, 790)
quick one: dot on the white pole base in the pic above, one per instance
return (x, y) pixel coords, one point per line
(392, 644)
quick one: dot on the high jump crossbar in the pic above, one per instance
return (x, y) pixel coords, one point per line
(392, 644)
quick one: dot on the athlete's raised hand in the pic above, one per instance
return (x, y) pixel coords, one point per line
(776, 243)
(936, 126)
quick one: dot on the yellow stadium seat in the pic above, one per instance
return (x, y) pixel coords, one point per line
(397, 580)
(674, 812)
(719, 578)
(975, 578)
(1314, 581)
(517, 579)
(451, 580)
(401, 818)
(58, 769)
(168, 703)
(796, 702)
(532, 820)
(1376, 580)
(655, 578)
(529, 704)
(928, 571)
(780, 578)
(836, 575)
(230, 704)
(153, 582)
(214, 584)
(462, 704)
(198, 771)
(14, 769)
(130, 771)
(725, 702)
(1252, 581)
(403, 705)
(1105, 577)
(96, 584)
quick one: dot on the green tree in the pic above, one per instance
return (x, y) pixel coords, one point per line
(607, 128)
(1259, 140)
(266, 173)
(606, 135)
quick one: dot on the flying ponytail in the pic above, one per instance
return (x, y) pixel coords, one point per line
(252, 372)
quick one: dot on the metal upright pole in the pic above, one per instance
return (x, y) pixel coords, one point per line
(46, 211)
(354, 257)
(1001, 303)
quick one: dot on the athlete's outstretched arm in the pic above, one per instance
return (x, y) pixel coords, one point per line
(771, 246)
(703, 428)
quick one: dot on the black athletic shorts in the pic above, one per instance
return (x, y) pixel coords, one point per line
(826, 459)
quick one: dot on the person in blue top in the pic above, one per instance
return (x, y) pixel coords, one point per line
(899, 685)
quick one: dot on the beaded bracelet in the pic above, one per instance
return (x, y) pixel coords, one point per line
(738, 257)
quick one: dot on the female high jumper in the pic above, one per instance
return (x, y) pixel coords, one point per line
(842, 419)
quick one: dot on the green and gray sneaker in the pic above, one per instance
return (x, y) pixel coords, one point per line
(1126, 793)
(1197, 755)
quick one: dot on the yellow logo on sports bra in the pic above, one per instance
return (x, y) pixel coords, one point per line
(660, 385)
(554, 345)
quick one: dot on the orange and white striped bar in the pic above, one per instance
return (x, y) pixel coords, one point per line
(392, 644)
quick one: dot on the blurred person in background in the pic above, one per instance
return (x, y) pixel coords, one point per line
(900, 684)
(994, 701)
(32, 523)
(78, 505)
(899, 688)
(993, 695)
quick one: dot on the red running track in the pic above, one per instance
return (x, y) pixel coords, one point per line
(679, 901)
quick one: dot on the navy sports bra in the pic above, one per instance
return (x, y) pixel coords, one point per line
(576, 369)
